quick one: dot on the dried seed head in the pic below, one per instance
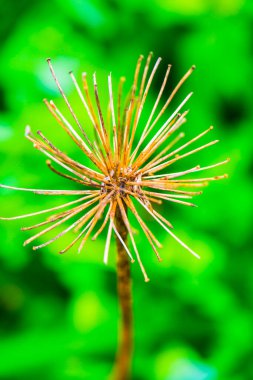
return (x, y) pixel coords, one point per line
(126, 169)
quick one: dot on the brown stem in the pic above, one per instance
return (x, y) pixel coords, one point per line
(124, 354)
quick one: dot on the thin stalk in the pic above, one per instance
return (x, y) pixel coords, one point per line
(125, 347)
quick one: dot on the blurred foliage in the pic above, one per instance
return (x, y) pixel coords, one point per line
(59, 314)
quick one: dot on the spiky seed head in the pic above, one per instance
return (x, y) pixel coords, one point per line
(129, 170)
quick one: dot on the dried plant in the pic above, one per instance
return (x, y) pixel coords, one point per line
(122, 175)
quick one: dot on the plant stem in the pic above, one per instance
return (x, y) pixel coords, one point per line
(124, 354)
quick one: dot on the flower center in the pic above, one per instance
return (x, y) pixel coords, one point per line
(122, 185)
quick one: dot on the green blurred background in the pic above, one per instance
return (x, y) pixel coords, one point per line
(59, 314)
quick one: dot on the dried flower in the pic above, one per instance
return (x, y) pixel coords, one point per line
(125, 172)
